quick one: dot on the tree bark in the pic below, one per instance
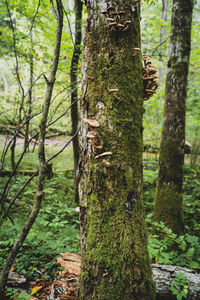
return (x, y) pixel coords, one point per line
(29, 100)
(168, 199)
(41, 154)
(115, 262)
(163, 31)
(12, 153)
(74, 95)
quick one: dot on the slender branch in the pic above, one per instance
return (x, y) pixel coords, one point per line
(55, 155)
(59, 104)
(53, 9)
(5, 215)
(34, 17)
(34, 81)
(16, 60)
(13, 171)
(17, 131)
(163, 42)
(69, 25)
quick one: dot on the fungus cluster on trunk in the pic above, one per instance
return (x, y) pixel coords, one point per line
(116, 21)
(150, 80)
(96, 141)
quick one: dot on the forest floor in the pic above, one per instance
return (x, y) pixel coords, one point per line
(63, 287)
(49, 141)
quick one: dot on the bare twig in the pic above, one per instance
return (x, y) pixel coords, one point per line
(34, 17)
(5, 189)
(16, 60)
(69, 25)
(163, 42)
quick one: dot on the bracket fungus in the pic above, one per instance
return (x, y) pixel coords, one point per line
(92, 123)
(95, 140)
(97, 143)
(114, 91)
(92, 134)
(103, 155)
(121, 13)
(116, 20)
(136, 51)
(110, 20)
(106, 163)
(150, 81)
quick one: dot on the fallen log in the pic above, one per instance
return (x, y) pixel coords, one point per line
(164, 275)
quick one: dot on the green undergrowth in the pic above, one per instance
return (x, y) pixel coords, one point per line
(56, 229)
(166, 247)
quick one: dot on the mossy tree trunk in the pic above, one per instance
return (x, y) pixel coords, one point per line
(115, 263)
(168, 201)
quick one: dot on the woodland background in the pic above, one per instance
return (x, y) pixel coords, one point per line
(27, 39)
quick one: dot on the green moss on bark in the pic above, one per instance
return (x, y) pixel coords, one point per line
(115, 263)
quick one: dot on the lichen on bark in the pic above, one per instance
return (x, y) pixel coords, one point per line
(115, 263)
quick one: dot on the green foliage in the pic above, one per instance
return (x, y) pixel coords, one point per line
(167, 247)
(56, 229)
(179, 286)
(150, 172)
(16, 293)
(191, 194)
(191, 197)
(26, 16)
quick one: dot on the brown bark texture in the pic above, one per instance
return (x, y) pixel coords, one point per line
(115, 262)
(168, 201)
(74, 95)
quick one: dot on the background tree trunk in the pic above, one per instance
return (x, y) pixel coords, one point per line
(163, 34)
(74, 95)
(168, 200)
(115, 263)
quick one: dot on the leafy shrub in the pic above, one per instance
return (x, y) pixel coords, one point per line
(166, 247)
(191, 199)
(179, 286)
(56, 229)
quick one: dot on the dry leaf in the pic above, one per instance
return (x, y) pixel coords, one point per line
(36, 289)
(13, 268)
